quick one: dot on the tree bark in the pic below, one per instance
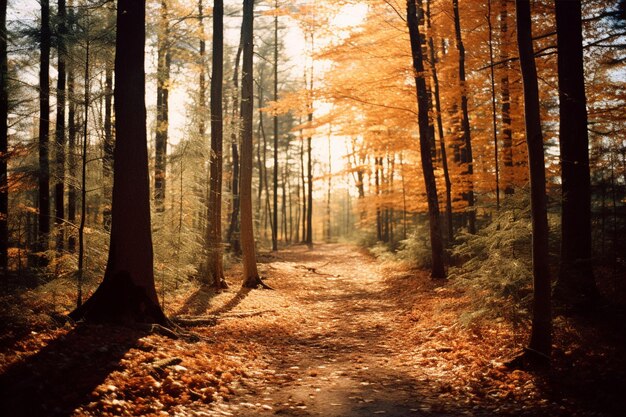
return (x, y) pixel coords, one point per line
(541, 333)
(438, 270)
(127, 293)
(250, 272)
(216, 268)
(576, 283)
(44, 134)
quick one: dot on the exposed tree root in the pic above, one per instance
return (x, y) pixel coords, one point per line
(256, 283)
(212, 320)
(529, 360)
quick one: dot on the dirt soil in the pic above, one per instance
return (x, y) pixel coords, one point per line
(341, 335)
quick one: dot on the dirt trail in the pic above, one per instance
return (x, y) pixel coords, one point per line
(337, 355)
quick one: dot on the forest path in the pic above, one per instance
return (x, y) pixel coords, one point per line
(330, 340)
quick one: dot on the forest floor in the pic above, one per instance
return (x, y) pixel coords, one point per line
(341, 335)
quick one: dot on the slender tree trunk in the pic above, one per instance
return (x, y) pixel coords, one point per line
(216, 268)
(304, 193)
(466, 153)
(109, 144)
(329, 186)
(505, 108)
(4, 143)
(540, 339)
(44, 134)
(233, 228)
(309, 213)
(494, 116)
(250, 272)
(442, 142)
(71, 148)
(83, 178)
(275, 120)
(576, 283)
(438, 270)
(59, 188)
(162, 119)
(127, 293)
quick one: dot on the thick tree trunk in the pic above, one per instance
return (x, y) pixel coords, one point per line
(127, 293)
(44, 133)
(576, 283)
(541, 333)
(162, 116)
(250, 272)
(466, 152)
(4, 130)
(216, 268)
(438, 270)
(59, 187)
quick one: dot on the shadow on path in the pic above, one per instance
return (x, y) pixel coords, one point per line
(63, 374)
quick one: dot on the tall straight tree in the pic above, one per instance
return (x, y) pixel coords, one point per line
(438, 270)
(275, 120)
(59, 187)
(127, 293)
(250, 272)
(216, 268)
(44, 132)
(575, 280)
(466, 152)
(505, 105)
(309, 147)
(4, 148)
(72, 131)
(540, 344)
(162, 120)
(442, 142)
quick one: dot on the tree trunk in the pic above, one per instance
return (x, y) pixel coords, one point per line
(107, 158)
(59, 188)
(127, 293)
(541, 339)
(216, 268)
(162, 109)
(438, 270)
(494, 116)
(576, 283)
(232, 236)
(71, 149)
(309, 212)
(505, 108)
(250, 272)
(466, 152)
(44, 134)
(275, 120)
(442, 142)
